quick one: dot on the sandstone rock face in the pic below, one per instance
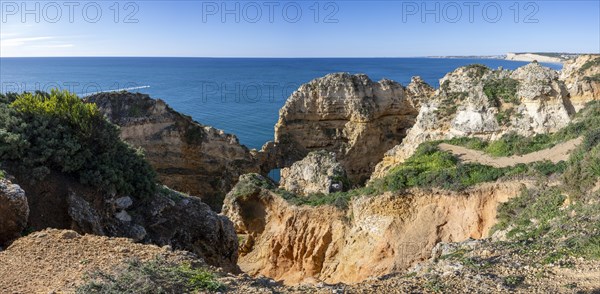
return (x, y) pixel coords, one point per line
(350, 115)
(318, 172)
(166, 218)
(419, 92)
(186, 223)
(187, 156)
(14, 211)
(582, 79)
(467, 105)
(375, 236)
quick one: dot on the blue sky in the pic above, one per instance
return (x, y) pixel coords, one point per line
(340, 29)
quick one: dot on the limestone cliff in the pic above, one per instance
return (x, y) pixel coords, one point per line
(475, 101)
(350, 115)
(373, 237)
(555, 58)
(582, 79)
(187, 156)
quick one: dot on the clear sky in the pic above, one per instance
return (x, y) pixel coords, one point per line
(297, 28)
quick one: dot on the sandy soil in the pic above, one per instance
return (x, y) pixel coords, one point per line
(54, 261)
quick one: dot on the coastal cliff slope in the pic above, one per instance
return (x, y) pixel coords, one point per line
(188, 157)
(582, 79)
(475, 101)
(374, 236)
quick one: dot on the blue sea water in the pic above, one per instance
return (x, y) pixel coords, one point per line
(240, 96)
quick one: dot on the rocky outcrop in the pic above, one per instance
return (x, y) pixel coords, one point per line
(318, 172)
(350, 115)
(475, 101)
(419, 92)
(166, 218)
(14, 211)
(373, 237)
(187, 156)
(582, 79)
(186, 223)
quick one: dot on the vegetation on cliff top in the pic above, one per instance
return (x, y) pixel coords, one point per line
(501, 90)
(429, 167)
(584, 123)
(57, 131)
(551, 222)
(591, 63)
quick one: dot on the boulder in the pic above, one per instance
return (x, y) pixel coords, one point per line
(318, 172)
(14, 211)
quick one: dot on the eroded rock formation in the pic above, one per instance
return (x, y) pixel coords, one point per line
(474, 101)
(373, 237)
(350, 115)
(14, 211)
(582, 79)
(188, 157)
(318, 172)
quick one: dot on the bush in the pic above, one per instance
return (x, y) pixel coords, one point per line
(513, 144)
(540, 226)
(593, 78)
(155, 276)
(476, 70)
(58, 131)
(592, 63)
(504, 90)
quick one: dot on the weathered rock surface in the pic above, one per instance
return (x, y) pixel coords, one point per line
(582, 79)
(350, 115)
(318, 172)
(166, 218)
(419, 92)
(188, 157)
(539, 103)
(186, 223)
(14, 211)
(374, 237)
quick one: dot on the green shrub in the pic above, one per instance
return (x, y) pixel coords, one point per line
(513, 281)
(593, 78)
(592, 63)
(504, 90)
(540, 226)
(503, 117)
(513, 144)
(157, 276)
(477, 70)
(449, 104)
(57, 131)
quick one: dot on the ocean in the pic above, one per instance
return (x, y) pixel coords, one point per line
(241, 96)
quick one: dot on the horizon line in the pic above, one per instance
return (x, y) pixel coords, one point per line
(293, 57)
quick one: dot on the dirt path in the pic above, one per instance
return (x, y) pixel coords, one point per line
(555, 154)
